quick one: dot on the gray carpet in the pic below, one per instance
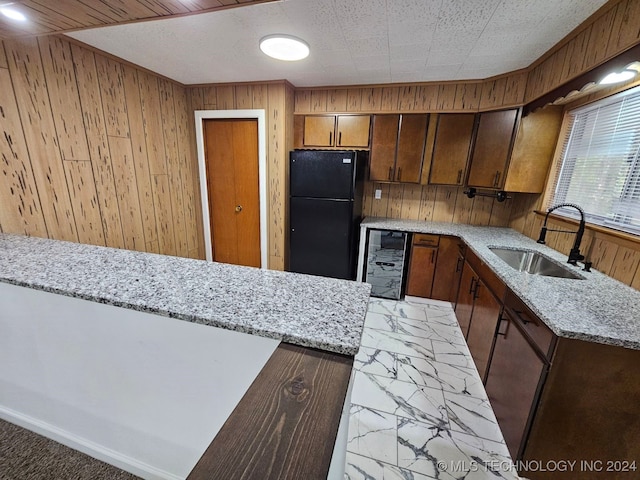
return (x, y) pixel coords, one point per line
(25, 455)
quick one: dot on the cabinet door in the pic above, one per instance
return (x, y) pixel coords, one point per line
(448, 269)
(411, 141)
(464, 304)
(486, 312)
(451, 148)
(384, 140)
(318, 131)
(421, 268)
(491, 148)
(512, 383)
(353, 130)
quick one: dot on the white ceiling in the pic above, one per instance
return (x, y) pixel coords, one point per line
(352, 41)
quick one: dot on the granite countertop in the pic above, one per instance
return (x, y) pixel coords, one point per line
(323, 313)
(596, 308)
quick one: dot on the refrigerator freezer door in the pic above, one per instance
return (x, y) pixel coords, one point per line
(320, 242)
(385, 263)
(322, 174)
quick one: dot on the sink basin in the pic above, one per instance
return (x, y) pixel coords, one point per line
(533, 262)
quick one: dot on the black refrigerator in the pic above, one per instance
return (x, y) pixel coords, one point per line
(325, 210)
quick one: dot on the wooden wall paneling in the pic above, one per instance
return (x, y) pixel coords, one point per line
(367, 199)
(210, 98)
(354, 99)
(32, 99)
(534, 80)
(113, 99)
(379, 206)
(189, 169)
(319, 101)
(20, 210)
(164, 217)
(411, 199)
(463, 207)
(3, 57)
(371, 99)
(302, 101)
(151, 114)
(446, 97)
(64, 97)
(480, 210)
(260, 96)
(444, 204)
(94, 125)
(493, 93)
(389, 99)
(196, 98)
(501, 213)
(467, 97)
(602, 254)
(226, 97)
(153, 247)
(127, 193)
(140, 156)
(625, 265)
(337, 100)
(514, 90)
(407, 98)
(394, 208)
(576, 52)
(82, 188)
(244, 97)
(625, 32)
(636, 280)
(289, 105)
(599, 38)
(426, 99)
(174, 167)
(556, 67)
(427, 203)
(277, 179)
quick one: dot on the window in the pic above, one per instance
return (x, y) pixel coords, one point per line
(600, 167)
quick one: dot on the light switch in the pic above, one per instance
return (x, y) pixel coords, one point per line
(378, 194)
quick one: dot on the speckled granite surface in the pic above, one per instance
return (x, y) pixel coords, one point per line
(316, 312)
(596, 308)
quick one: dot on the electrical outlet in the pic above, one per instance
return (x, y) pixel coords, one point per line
(378, 194)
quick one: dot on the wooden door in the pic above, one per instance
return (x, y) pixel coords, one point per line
(449, 263)
(411, 141)
(421, 268)
(353, 130)
(464, 304)
(492, 148)
(451, 148)
(486, 312)
(384, 141)
(319, 130)
(231, 157)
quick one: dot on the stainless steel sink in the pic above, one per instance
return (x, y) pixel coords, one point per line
(533, 262)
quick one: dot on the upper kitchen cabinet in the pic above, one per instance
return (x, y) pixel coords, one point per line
(344, 131)
(454, 133)
(533, 150)
(397, 147)
(490, 157)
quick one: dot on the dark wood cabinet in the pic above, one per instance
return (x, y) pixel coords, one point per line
(491, 148)
(397, 147)
(482, 327)
(464, 302)
(422, 265)
(348, 131)
(449, 262)
(449, 161)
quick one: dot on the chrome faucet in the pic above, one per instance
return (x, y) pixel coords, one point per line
(574, 254)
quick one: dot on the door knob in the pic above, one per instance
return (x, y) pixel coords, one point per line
(238, 208)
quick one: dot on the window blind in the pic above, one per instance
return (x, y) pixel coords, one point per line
(600, 167)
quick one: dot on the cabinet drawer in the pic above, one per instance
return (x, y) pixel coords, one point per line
(426, 239)
(535, 329)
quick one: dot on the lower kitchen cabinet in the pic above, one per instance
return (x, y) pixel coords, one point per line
(466, 293)
(449, 262)
(422, 265)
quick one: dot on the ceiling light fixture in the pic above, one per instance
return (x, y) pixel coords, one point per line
(284, 47)
(12, 13)
(627, 73)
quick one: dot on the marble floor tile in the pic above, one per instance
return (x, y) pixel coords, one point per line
(434, 331)
(450, 378)
(399, 398)
(364, 468)
(381, 321)
(397, 343)
(472, 415)
(380, 305)
(373, 434)
(376, 362)
(447, 352)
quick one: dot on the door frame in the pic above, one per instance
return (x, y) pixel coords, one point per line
(201, 116)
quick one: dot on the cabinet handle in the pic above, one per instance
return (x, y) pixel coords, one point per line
(433, 255)
(399, 174)
(506, 330)
(339, 139)
(471, 286)
(497, 179)
(458, 264)
(390, 173)
(330, 137)
(459, 180)
(521, 317)
(476, 292)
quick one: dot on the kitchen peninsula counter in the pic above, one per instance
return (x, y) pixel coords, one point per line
(595, 308)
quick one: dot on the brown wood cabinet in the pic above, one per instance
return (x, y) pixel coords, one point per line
(347, 131)
(397, 147)
(449, 161)
(492, 147)
(449, 262)
(422, 265)
(465, 300)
